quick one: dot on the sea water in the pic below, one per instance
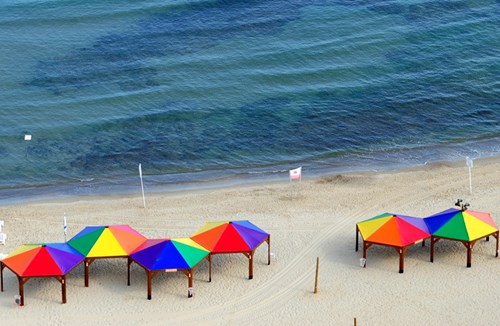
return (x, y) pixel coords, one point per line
(198, 91)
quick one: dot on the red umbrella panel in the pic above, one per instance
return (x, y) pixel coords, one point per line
(42, 260)
(232, 237)
(113, 241)
(393, 230)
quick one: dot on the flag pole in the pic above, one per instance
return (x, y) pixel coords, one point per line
(470, 164)
(142, 186)
(65, 227)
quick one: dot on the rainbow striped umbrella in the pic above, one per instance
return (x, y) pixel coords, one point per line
(113, 241)
(106, 241)
(47, 259)
(232, 237)
(42, 260)
(161, 254)
(169, 255)
(393, 230)
(465, 226)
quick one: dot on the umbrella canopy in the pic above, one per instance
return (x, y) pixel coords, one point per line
(169, 255)
(106, 241)
(41, 260)
(461, 225)
(393, 230)
(112, 241)
(230, 236)
(161, 254)
(36, 260)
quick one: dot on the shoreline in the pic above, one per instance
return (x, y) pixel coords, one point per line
(25, 195)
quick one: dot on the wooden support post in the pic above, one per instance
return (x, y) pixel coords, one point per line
(250, 265)
(365, 246)
(86, 267)
(355, 321)
(129, 262)
(209, 257)
(269, 249)
(149, 276)
(469, 255)
(316, 278)
(190, 283)
(21, 289)
(496, 237)
(469, 246)
(433, 242)
(63, 285)
(1, 274)
(402, 252)
(357, 236)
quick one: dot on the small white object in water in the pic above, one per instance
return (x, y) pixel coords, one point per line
(27, 137)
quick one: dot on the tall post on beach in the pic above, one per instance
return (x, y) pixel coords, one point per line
(355, 321)
(65, 226)
(316, 278)
(142, 186)
(470, 164)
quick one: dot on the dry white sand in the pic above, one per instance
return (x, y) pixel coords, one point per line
(314, 218)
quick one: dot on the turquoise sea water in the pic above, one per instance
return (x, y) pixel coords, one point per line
(225, 90)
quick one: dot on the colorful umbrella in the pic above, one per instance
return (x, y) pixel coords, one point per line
(106, 241)
(111, 241)
(232, 237)
(169, 255)
(42, 260)
(393, 230)
(465, 226)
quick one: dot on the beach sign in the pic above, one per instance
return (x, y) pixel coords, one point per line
(296, 174)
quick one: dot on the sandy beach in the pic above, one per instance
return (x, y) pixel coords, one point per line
(313, 218)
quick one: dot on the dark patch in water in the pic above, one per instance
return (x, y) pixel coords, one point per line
(118, 58)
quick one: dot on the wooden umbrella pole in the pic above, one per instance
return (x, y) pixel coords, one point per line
(496, 236)
(402, 252)
(269, 249)
(129, 262)
(148, 273)
(357, 237)
(250, 265)
(21, 289)
(63, 285)
(190, 283)
(209, 267)
(2, 267)
(86, 267)
(432, 249)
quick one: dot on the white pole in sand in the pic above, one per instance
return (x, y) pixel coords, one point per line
(142, 186)
(65, 227)
(470, 164)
